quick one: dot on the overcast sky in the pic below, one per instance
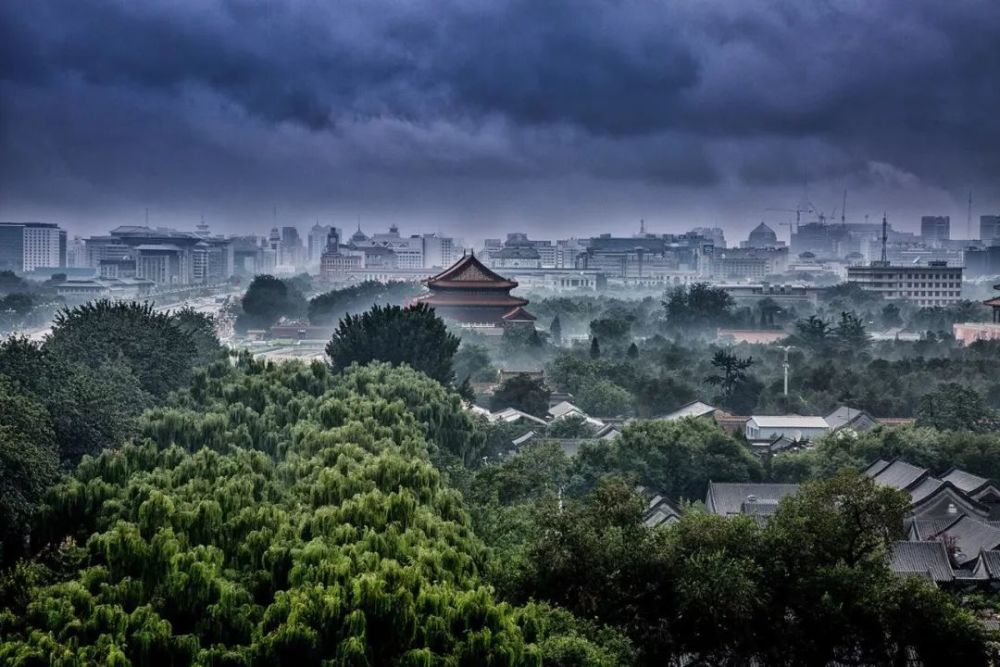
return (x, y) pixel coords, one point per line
(477, 117)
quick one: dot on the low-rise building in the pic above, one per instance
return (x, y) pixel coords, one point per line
(793, 427)
(935, 284)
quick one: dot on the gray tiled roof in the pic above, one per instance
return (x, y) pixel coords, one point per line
(991, 561)
(899, 474)
(971, 536)
(930, 558)
(928, 529)
(925, 488)
(728, 498)
(964, 480)
(876, 467)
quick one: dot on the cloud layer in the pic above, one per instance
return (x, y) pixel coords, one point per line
(562, 116)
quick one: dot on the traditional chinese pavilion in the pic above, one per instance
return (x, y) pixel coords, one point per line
(469, 293)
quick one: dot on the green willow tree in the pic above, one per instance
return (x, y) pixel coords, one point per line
(274, 515)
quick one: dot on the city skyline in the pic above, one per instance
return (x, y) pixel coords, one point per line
(560, 118)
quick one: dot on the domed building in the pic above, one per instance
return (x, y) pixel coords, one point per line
(763, 236)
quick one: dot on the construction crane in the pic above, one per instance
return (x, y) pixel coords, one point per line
(793, 227)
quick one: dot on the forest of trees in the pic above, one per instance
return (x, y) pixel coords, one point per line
(645, 358)
(167, 503)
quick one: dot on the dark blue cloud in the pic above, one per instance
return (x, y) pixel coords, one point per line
(670, 94)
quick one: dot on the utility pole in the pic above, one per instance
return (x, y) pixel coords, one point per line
(786, 366)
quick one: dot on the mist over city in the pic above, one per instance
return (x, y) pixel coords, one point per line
(510, 333)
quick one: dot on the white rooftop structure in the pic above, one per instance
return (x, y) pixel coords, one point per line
(693, 409)
(793, 427)
(513, 415)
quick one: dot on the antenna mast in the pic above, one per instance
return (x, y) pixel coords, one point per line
(843, 209)
(885, 237)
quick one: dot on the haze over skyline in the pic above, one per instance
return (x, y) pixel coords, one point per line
(477, 118)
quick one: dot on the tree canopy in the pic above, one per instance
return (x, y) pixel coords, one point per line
(414, 336)
(268, 299)
(277, 515)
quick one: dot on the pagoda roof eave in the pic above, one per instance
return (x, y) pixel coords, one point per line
(465, 264)
(472, 284)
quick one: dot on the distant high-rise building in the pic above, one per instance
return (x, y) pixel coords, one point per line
(292, 249)
(935, 227)
(317, 241)
(26, 246)
(439, 251)
(989, 227)
(76, 253)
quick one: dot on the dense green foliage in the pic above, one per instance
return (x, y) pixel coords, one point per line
(268, 299)
(413, 336)
(978, 453)
(279, 515)
(696, 307)
(473, 362)
(25, 304)
(28, 464)
(810, 587)
(89, 408)
(675, 458)
(330, 307)
(523, 393)
(160, 350)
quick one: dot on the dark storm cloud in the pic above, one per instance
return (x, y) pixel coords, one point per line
(249, 99)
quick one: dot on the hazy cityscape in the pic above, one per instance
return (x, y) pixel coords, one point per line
(575, 334)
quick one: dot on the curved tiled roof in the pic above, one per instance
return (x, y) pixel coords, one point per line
(923, 558)
(469, 273)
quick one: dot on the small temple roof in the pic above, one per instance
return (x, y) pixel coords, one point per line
(519, 314)
(470, 273)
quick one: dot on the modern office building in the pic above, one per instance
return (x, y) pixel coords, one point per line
(317, 241)
(750, 262)
(164, 256)
(291, 246)
(439, 251)
(935, 227)
(989, 228)
(26, 246)
(650, 258)
(934, 284)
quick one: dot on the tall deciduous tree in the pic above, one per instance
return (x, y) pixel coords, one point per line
(954, 407)
(267, 299)
(733, 369)
(159, 350)
(555, 331)
(523, 392)
(414, 336)
(28, 464)
(697, 306)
